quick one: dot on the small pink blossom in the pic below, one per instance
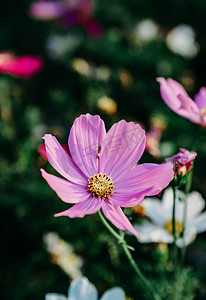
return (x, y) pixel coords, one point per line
(182, 161)
(154, 135)
(23, 66)
(70, 13)
(101, 171)
(179, 101)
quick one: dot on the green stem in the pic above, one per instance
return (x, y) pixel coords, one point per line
(121, 240)
(175, 294)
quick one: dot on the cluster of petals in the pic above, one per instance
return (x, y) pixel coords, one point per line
(182, 161)
(114, 153)
(160, 214)
(179, 101)
(71, 13)
(23, 66)
(82, 289)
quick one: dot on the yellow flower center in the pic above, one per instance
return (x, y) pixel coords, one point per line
(101, 185)
(203, 112)
(169, 226)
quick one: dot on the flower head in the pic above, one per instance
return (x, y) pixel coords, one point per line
(101, 171)
(182, 163)
(23, 66)
(179, 101)
(82, 289)
(159, 229)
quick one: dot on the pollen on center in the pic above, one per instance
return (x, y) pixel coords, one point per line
(101, 185)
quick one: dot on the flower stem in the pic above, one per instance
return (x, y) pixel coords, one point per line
(121, 240)
(175, 294)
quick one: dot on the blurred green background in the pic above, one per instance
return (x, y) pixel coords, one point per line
(133, 47)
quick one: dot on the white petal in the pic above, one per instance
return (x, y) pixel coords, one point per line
(189, 237)
(82, 289)
(153, 209)
(195, 204)
(150, 233)
(52, 296)
(115, 293)
(200, 223)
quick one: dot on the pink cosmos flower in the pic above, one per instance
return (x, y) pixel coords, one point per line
(101, 171)
(42, 150)
(23, 66)
(182, 161)
(179, 101)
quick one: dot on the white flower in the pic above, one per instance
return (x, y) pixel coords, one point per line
(181, 40)
(159, 229)
(64, 254)
(82, 289)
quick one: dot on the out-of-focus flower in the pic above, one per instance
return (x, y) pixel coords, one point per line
(82, 289)
(182, 161)
(139, 210)
(179, 101)
(101, 171)
(23, 66)
(47, 10)
(154, 135)
(91, 71)
(59, 46)
(146, 30)
(125, 78)
(42, 150)
(63, 254)
(159, 229)
(181, 40)
(70, 12)
(107, 105)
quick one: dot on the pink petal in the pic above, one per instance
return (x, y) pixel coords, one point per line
(79, 210)
(143, 180)
(62, 162)
(200, 98)
(169, 90)
(188, 109)
(85, 138)
(68, 192)
(115, 215)
(122, 148)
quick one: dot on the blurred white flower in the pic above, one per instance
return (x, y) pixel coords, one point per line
(82, 289)
(146, 30)
(62, 254)
(159, 229)
(181, 40)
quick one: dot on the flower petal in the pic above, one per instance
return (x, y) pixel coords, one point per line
(154, 210)
(150, 233)
(200, 223)
(54, 296)
(189, 237)
(117, 217)
(188, 109)
(85, 138)
(169, 90)
(145, 180)
(68, 192)
(115, 293)
(200, 98)
(195, 204)
(61, 161)
(79, 210)
(122, 148)
(82, 289)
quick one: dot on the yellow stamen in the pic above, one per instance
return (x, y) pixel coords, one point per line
(101, 185)
(203, 112)
(169, 227)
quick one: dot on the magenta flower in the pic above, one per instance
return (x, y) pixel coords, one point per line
(182, 161)
(179, 101)
(47, 10)
(101, 171)
(23, 66)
